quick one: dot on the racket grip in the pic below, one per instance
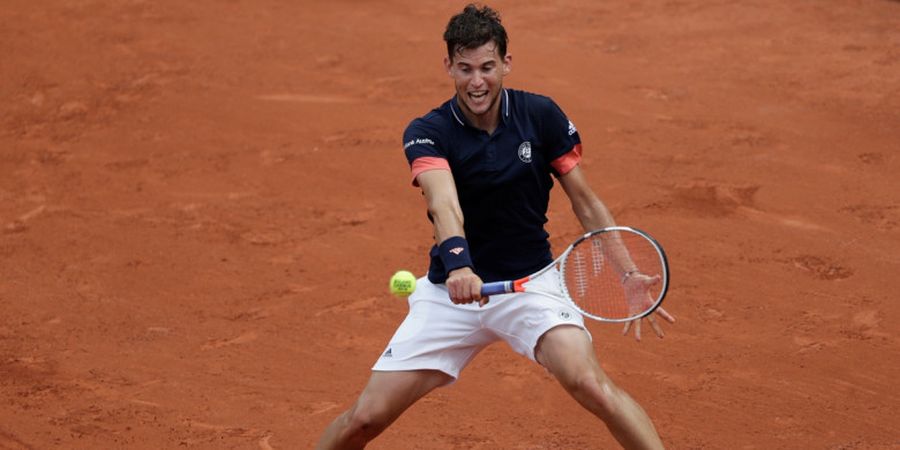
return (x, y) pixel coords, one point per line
(497, 288)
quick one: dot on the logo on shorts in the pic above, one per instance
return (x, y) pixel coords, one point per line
(388, 353)
(525, 152)
(457, 250)
(565, 315)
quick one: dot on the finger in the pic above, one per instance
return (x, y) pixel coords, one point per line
(627, 327)
(451, 290)
(474, 293)
(665, 315)
(484, 301)
(655, 280)
(637, 329)
(459, 292)
(656, 328)
(456, 295)
(450, 293)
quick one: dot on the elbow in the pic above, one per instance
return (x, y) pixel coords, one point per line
(440, 206)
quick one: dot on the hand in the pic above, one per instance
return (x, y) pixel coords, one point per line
(465, 287)
(637, 293)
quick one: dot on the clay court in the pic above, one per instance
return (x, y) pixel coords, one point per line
(201, 204)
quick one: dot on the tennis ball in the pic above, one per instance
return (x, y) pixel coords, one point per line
(403, 283)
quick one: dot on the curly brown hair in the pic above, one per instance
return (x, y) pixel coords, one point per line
(474, 27)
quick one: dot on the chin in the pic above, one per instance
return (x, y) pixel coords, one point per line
(480, 109)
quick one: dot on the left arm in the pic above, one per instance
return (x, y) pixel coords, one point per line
(593, 214)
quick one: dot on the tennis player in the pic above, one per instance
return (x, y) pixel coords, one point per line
(485, 161)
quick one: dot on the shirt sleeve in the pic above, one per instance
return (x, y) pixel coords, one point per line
(423, 148)
(561, 139)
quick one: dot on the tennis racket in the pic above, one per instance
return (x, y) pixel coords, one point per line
(614, 274)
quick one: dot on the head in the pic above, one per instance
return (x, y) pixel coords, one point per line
(476, 59)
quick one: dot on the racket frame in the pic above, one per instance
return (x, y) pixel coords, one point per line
(663, 260)
(512, 286)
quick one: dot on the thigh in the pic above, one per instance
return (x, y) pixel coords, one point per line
(388, 394)
(567, 352)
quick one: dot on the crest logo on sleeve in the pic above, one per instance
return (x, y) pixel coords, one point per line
(525, 152)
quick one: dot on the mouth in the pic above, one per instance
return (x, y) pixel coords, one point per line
(478, 96)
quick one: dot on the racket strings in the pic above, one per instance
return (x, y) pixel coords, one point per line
(581, 277)
(595, 267)
(596, 256)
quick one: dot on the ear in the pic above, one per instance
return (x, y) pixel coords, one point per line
(507, 64)
(448, 65)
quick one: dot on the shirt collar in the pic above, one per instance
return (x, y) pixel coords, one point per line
(504, 109)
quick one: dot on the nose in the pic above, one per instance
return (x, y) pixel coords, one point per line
(477, 80)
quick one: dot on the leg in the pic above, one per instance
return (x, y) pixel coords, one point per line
(385, 397)
(566, 351)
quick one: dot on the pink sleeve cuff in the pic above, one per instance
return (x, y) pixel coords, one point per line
(426, 163)
(567, 162)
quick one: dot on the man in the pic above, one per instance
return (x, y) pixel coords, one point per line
(485, 161)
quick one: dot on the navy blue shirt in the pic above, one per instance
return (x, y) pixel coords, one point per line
(503, 180)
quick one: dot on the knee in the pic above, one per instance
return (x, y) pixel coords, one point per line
(362, 423)
(596, 393)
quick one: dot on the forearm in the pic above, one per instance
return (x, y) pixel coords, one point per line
(448, 223)
(449, 234)
(443, 204)
(593, 214)
(448, 220)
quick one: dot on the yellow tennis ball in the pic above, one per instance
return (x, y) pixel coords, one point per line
(403, 283)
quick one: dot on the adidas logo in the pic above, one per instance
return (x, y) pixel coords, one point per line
(388, 354)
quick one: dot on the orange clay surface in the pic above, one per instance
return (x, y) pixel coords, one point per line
(201, 203)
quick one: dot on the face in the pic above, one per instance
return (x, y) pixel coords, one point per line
(478, 76)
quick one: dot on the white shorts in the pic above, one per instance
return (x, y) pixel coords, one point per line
(439, 335)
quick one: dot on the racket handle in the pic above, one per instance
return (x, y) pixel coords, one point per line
(497, 288)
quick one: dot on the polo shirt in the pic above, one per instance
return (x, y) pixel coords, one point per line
(503, 179)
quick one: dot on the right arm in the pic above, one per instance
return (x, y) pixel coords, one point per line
(443, 205)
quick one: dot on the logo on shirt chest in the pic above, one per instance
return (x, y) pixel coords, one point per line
(525, 152)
